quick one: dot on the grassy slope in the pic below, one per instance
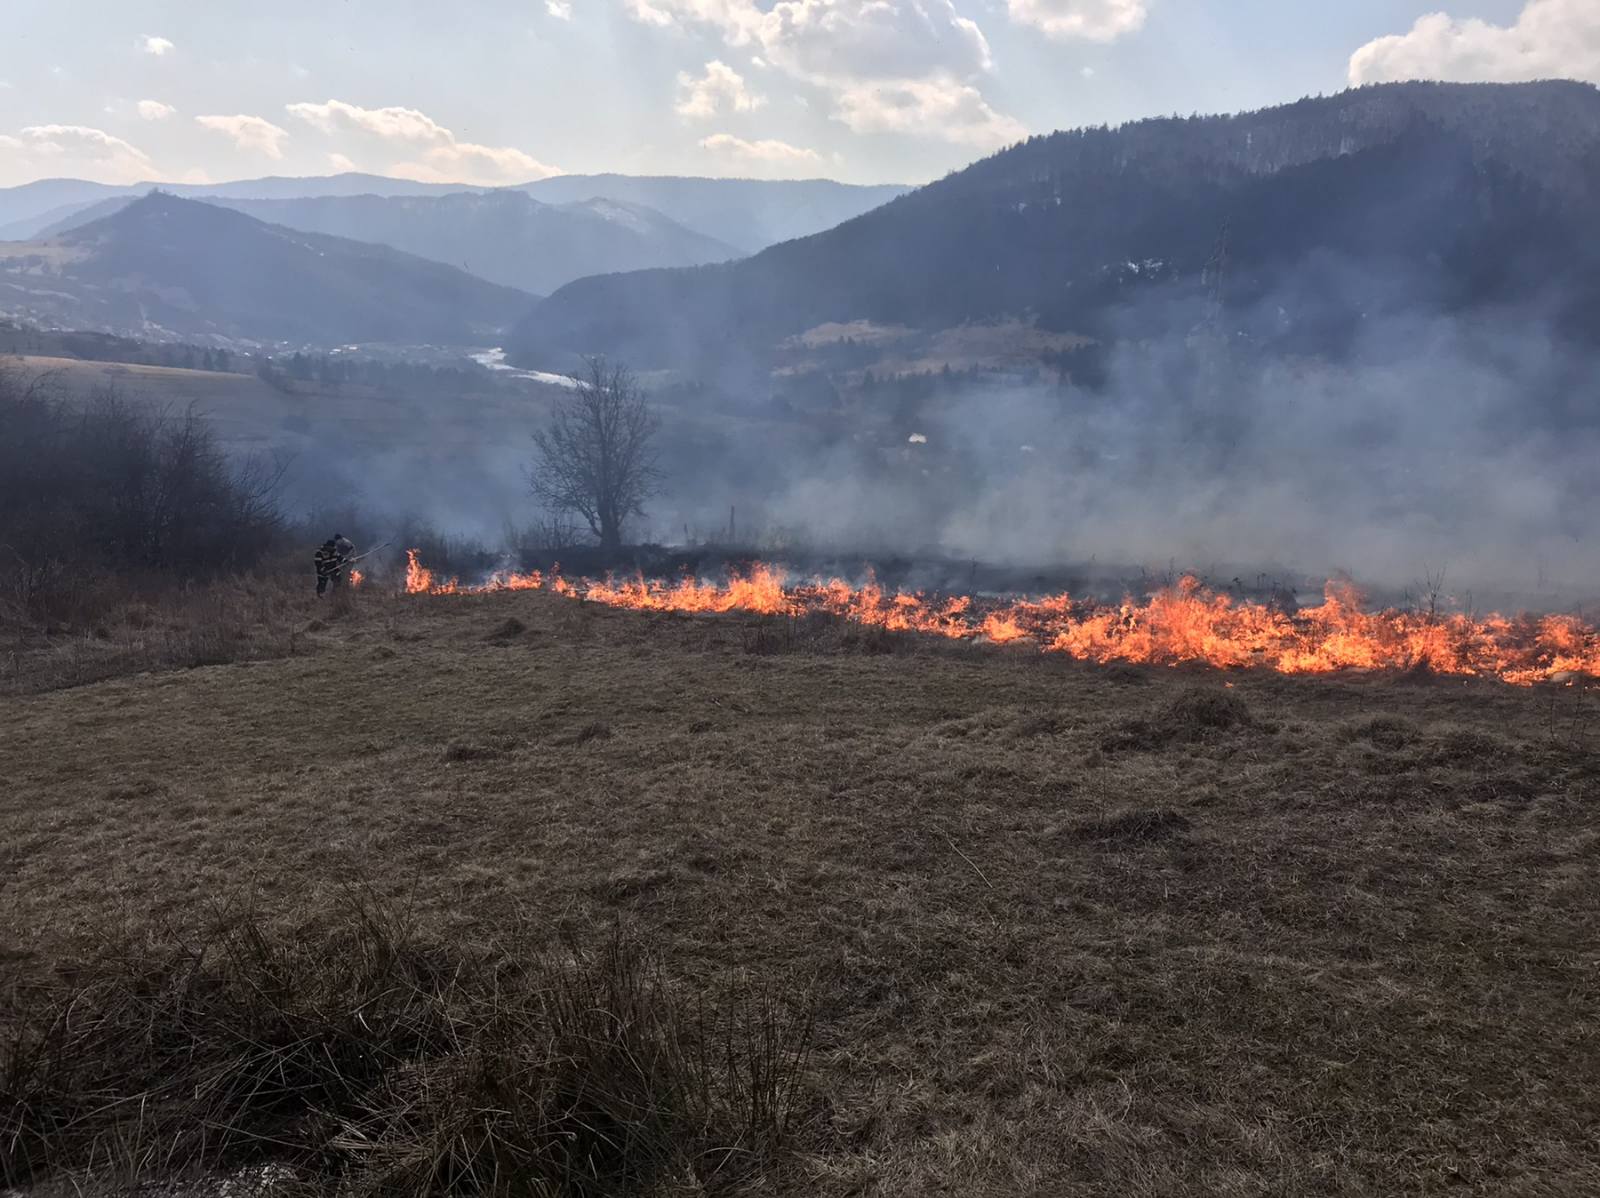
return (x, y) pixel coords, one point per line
(1079, 935)
(249, 415)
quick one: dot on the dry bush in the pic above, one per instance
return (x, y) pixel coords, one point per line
(371, 1061)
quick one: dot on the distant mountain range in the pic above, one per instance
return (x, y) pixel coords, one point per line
(744, 214)
(1301, 224)
(28, 210)
(750, 214)
(164, 267)
(507, 236)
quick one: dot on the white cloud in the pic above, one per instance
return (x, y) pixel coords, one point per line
(465, 162)
(829, 41)
(851, 48)
(7, 142)
(561, 10)
(441, 159)
(734, 17)
(720, 89)
(393, 124)
(1090, 20)
(248, 132)
(914, 105)
(93, 151)
(767, 156)
(156, 45)
(340, 163)
(154, 110)
(1550, 39)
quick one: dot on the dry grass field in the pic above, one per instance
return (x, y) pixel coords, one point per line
(1065, 930)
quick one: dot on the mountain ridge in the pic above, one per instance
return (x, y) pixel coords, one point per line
(165, 266)
(502, 235)
(747, 213)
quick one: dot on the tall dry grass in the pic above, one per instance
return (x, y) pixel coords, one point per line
(130, 625)
(366, 1058)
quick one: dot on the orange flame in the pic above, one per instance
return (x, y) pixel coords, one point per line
(1175, 625)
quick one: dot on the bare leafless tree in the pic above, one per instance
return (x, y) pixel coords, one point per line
(597, 459)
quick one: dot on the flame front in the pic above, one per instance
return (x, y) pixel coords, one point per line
(1185, 623)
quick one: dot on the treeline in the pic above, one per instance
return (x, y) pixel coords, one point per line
(101, 490)
(104, 347)
(285, 371)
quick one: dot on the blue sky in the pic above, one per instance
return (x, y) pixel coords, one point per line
(501, 91)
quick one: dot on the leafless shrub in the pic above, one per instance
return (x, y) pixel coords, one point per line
(104, 490)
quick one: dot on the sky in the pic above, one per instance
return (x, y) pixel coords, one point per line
(507, 91)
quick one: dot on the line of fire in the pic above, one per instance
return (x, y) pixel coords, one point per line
(1183, 624)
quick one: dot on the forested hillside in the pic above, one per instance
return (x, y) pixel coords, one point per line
(1323, 214)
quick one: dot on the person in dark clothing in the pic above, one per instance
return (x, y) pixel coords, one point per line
(330, 566)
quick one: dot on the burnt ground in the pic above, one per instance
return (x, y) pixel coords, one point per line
(1073, 929)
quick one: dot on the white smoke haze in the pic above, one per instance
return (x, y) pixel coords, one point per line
(1391, 469)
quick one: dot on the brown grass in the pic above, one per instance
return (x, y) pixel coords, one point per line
(1086, 931)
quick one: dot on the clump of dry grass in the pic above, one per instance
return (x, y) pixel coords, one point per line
(1384, 731)
(593, 730)
(1192, 715)
(1129, 826)
(487, 749)
(823, 632)
(508, 629)
(372, 1061)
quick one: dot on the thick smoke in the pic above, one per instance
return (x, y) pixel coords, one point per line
(1402, 445)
